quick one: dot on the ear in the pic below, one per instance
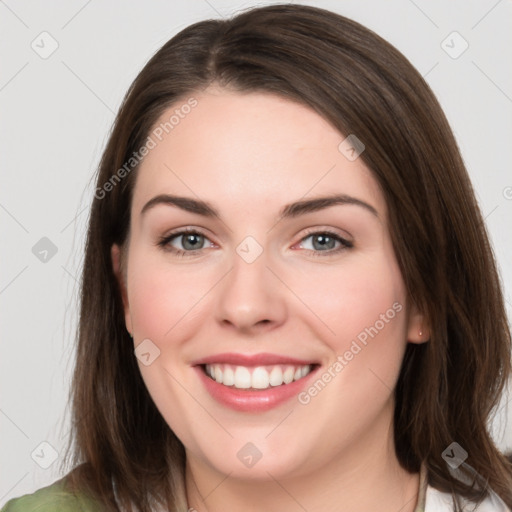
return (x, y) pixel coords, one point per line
(418, 328)
(115, 253)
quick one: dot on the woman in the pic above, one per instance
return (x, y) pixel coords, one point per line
(289, 300)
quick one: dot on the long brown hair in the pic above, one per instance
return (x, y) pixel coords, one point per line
(448, 388)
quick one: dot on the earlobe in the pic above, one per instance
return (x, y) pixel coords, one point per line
(115, 253)
(418, 329)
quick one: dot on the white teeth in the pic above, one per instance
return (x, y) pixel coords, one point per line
(242, 377)
(259, 377)
(276, 376)
(228, 376)
(288, 375)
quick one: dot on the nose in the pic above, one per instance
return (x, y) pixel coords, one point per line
(250, 298)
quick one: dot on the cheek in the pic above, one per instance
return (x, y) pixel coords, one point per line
(363, 325)
(163, 297)
(362, 310)
(352, 298)
(164, 301)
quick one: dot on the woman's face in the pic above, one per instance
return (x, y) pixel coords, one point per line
(271, 283)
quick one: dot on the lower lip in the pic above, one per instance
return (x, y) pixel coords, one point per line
(253, 401)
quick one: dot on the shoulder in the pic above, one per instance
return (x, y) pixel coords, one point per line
(51, 498)
(437, 501)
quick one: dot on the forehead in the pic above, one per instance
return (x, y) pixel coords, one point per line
(253, 150)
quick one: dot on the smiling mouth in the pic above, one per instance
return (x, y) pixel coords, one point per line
(256, 377)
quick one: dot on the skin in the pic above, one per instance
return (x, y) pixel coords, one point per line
(249, 154)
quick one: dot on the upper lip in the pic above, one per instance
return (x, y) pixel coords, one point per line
(262, 359)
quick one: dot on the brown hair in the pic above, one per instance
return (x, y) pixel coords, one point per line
(447, 388)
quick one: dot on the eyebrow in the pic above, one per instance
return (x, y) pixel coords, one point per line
(291, 210)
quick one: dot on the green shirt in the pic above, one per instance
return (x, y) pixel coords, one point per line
(53, 498)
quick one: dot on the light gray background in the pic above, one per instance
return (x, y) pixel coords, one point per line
(55, 116)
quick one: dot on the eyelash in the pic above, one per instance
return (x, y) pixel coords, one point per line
(164, 241)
